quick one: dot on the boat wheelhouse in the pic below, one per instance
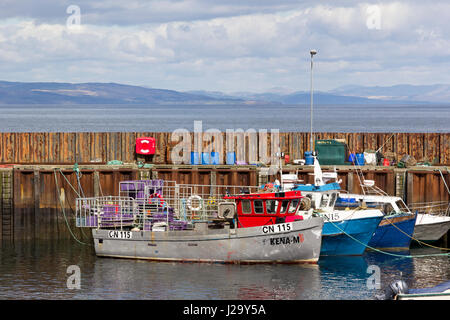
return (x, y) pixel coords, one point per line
(267, 208)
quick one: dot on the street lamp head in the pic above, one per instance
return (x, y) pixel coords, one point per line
(313, 52)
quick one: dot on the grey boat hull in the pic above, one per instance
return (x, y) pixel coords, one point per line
(293, 242)
(430, 227)
(431, 232)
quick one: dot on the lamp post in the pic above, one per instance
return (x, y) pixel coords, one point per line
(312, 52)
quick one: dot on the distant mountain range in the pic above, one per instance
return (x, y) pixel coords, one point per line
(114, 93)
(438, 93)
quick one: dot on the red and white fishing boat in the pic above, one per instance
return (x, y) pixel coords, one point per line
(164, 221)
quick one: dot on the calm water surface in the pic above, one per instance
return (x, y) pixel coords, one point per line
(37, 270)
(131, 118)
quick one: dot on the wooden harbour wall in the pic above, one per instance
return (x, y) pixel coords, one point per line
(32, 196)
(101, 147)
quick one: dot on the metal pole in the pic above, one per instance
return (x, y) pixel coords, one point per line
(312, 52)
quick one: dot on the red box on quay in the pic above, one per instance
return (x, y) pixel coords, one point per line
(145, 145)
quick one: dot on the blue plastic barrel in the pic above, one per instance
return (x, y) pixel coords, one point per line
(359, 159)
(214, 158)
(351, 158)
(231, 157)
(309, 159)
(205, 158)
(195, 158)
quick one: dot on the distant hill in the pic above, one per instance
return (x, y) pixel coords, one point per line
(114, 93)
(303, 97)
(95, 93)
(437, 93)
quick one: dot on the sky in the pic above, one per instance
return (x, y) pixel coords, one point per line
(228, 46)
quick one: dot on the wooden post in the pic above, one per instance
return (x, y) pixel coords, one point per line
(37, 198)
(96, 183)
(350, 181)
(409, 188)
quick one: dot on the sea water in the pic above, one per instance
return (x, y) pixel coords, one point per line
(285, 118)
(42, 269)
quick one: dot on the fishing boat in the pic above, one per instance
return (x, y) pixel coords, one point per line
(396, 229)
(433, 220)
(165, 221)
(345, 232)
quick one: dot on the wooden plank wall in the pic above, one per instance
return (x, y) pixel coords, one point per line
(101, 147)
(39, 197)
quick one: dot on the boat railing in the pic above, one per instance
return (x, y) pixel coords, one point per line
(194, 202)
(439, 208)
(105, 211)
(148, 205)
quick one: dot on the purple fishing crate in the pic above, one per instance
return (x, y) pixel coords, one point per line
(110, 209)
(88, 221)
(134, 185)
(92, 221)
(139, 185)
(112, 217)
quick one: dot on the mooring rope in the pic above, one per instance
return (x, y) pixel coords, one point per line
(389, 253)
(64, 212)
(79, 196)
(443, 179)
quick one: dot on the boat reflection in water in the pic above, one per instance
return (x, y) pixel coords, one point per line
(37, 270)
(139, 279)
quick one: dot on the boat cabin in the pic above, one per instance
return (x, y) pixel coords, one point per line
(321, 197)
(267, 208)
(389, 205)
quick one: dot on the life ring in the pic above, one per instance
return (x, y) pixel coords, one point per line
(194, 197)
(157, 195)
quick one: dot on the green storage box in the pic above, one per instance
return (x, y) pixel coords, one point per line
(331, 152)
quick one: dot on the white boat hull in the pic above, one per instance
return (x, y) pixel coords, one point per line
(430, 227)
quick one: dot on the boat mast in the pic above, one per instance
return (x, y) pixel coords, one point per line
(312, 52)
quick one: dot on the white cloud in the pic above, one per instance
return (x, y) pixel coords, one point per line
(229, 46)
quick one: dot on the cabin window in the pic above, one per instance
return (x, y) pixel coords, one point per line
(333, 199)
(246, 206)
(324, 201)
(402, 206)
(258, 204)
(388, 209)
(284, 205)
(271, 206)
(293, 206)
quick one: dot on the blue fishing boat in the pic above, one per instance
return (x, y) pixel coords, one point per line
(345, 232)
(396, 229)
